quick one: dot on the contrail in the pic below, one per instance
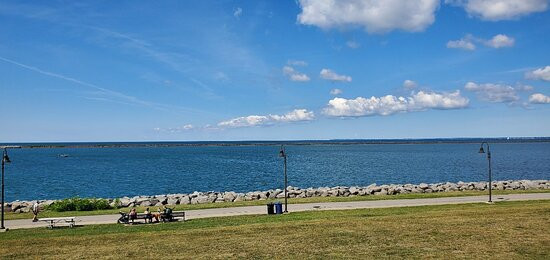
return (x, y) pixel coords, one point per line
(79, 82)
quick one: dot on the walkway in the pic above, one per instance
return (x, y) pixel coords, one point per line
(255, 210)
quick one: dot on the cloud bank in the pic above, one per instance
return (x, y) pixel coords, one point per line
(389, 104)
(372, 15)
(297, 115)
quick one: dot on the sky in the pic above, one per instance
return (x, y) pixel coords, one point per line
(273, 70)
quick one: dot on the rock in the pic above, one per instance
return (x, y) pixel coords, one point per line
(381, 192)
(172, 201)
(423, 186)
(229, 196)
(185, 200)
(240, 197)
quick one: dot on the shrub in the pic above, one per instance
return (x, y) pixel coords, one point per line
(79, 204)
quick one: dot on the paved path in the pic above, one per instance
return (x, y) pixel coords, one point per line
(255, 210)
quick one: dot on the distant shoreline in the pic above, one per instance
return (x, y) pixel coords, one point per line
(276, 143)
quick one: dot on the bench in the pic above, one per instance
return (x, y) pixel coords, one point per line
(53, 221)
(175, 216)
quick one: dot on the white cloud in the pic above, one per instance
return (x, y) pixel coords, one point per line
(295, 75)
(389, 104)
(336, 91)
(331, 75)
(238, 12)
(467, 42)
(353, 44)
(496, 93)
(297, 63)
(464, 43)
(541, 74)
(374, 16)
(178, 129)
(409, 84)
(499, 41)
(539, 98)
(496, 10)
(297, 115)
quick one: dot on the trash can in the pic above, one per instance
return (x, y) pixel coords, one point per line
(278, 208)
(270, 210)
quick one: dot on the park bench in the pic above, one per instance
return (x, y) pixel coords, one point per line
(175, 216)
(53, 221)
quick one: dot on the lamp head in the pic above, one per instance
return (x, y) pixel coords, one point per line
(5, 158)
(481, 150)
(282, 152)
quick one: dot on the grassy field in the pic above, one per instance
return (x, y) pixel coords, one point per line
(508, 230)
(45, 214)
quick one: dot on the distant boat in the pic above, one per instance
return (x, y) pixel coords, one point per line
(64, 155)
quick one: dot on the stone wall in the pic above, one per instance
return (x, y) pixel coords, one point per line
(294, 192)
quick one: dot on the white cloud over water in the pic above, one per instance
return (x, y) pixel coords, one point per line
(497, 10)
(297, 115)
(372, 15)
(389, 104)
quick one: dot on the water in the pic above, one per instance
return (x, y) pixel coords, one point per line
(128, 171)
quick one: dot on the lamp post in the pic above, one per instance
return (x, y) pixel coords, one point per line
(489, 159)
(283, 154)
(5, 159)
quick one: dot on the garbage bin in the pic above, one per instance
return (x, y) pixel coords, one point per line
(278, 208)
(270, 210)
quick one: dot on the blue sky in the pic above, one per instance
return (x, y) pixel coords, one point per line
(272, 70)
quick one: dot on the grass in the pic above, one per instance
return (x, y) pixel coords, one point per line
(49, 213)
(509, 230)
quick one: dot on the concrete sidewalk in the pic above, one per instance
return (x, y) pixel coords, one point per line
(256, 210)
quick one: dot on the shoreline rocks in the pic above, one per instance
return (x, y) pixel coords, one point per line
(295, 192)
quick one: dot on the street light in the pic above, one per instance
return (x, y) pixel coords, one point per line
(283, 154)
(489, 159)
(5, 159)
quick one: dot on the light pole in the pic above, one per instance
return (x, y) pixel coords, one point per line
(283, 154)
(5, 159)
(489, 159)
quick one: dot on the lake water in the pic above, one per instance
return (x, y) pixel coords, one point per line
(115, 172)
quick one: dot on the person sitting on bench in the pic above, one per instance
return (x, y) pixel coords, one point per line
(148, 215)
(133, 214)
(166, 214)
(156, 215)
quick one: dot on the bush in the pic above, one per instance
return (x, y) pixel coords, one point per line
(79, 204)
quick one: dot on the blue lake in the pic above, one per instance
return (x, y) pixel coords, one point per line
(40, 173)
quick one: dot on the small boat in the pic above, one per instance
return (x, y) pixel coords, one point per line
(64, 155)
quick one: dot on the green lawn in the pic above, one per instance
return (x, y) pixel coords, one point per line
(45, 214)
(505, 230)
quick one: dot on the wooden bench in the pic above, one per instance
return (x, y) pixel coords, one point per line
(53, 221)
(175, 216)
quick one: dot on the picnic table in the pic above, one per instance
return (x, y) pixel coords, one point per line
(53, 221)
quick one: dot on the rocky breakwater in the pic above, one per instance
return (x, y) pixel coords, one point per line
(294, 192)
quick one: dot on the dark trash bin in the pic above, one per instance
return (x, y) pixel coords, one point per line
(278, 208)
(270, 210)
